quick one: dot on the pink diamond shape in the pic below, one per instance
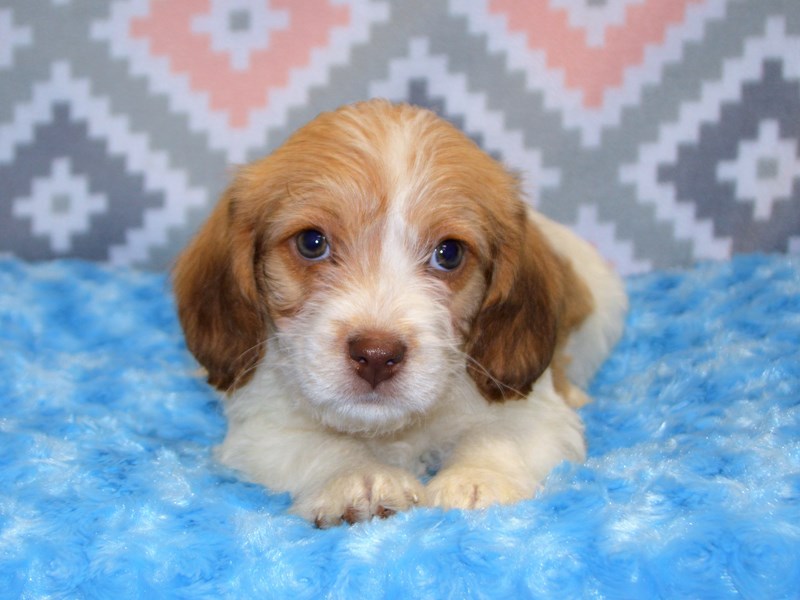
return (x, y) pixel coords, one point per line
(168, 31)
(592, 70)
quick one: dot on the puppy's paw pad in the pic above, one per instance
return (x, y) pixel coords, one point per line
(471, 488)
(360, 496)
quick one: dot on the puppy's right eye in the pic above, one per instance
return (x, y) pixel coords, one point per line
(447, 256)
(312, 244)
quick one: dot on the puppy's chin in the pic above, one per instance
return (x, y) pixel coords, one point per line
(390, 408)
(371, 415)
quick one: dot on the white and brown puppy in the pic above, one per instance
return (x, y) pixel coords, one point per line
(378, 302)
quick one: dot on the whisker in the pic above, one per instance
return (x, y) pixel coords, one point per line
(255, 350)
(484, 371)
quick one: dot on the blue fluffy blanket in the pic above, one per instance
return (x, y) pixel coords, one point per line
(691, 489)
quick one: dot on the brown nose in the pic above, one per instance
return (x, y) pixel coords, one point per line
(376, 357)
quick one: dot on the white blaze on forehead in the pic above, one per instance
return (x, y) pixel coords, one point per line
(399, 257)
(400, 246)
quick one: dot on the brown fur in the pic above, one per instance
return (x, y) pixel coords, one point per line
(218, 299)
(514, 335)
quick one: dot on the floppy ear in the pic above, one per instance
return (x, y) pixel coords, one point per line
(514, 334)
(217, 296)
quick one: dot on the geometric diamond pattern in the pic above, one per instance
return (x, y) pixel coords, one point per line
(663, 132)
(51, 172)
(199, 54)
(764, 171)
(214, 63)
(240, 29)
(746, 117)
(595, 18)
(586, 76)
(60, 205)
(63, 123)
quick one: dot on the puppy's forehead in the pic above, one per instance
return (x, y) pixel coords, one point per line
(357, 169)
(384, 155)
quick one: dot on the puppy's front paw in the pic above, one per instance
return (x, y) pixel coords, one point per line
(472, 487)
(359, 496)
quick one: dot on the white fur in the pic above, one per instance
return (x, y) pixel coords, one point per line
(592, 342)
(307, 424)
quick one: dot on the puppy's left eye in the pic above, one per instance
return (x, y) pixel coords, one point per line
(447, 256)
(312, 244)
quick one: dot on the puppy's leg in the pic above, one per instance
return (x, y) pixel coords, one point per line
(506, 460)
(332, 478)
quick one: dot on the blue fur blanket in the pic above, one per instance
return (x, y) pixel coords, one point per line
(691, 489)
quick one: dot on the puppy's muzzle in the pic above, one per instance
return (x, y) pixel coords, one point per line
(376, 356)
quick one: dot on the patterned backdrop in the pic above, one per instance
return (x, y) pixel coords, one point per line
(665, 131)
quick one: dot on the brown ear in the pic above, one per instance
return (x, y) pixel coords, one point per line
(514, 334)
(217, 297)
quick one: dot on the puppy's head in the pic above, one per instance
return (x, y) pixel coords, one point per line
(372, 258)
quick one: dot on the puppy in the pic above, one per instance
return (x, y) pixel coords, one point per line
(381, 307)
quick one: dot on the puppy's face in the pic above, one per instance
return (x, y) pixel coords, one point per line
(379, 253)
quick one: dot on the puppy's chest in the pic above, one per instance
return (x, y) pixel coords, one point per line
(423, 458)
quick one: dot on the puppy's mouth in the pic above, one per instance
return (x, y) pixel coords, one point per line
(361, 391)
(373, 398)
